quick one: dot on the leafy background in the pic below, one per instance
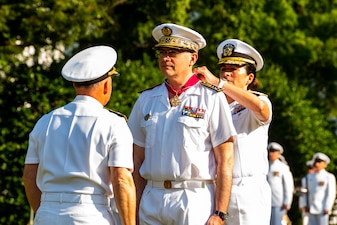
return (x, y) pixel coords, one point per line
(297, 39)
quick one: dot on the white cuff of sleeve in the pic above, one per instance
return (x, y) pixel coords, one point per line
(222, 82)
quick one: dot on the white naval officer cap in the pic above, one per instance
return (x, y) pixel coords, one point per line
(310, 163)
(91, 65)
(274, 146)
(321, 156)
(233, 51)
(169, 35)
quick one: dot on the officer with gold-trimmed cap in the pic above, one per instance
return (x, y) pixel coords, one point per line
(178, 37)
(234, 51)
(180, 143)
(77, 151)
(252, 115)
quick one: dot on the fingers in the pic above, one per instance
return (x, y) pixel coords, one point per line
(198, 72)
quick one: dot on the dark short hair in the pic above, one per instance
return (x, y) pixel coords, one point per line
(250, 68)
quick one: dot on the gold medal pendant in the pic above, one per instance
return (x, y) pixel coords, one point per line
(175, 101)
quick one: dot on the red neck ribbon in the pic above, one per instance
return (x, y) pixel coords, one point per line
(192, 81)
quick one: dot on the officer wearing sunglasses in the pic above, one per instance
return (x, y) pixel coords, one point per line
(321, 187)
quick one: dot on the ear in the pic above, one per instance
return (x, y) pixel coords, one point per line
(105, 87)
(250, 79)
(193, 59)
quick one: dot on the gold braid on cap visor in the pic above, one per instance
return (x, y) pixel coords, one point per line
(236, 60)
(176, 42)
(113, 72)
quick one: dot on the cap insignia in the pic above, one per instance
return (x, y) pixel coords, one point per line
(166, 31)
(228, 50)
(171, 40)
(167, 40)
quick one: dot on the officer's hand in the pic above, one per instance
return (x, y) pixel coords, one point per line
(205, 75)
(215, 220)
(285, 207)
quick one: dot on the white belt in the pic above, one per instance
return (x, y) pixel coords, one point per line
(74, 198)
(248, 179)
(168, 184)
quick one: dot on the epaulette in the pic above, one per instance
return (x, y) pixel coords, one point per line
(211, 86)
(118, 114)
(150, 88)
(258, 93)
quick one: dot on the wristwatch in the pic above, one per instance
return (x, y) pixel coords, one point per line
(222, 215)
(222, 82)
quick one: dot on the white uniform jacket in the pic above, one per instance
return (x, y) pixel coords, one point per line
(251, 155)
(281, 183)
(321, 188)
(76, 144)
(179, 140)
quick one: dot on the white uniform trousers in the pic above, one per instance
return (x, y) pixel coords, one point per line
(305, 218)
(318, 219)
(73, 209)
(277, 214)
(250, 202)
(183, 206)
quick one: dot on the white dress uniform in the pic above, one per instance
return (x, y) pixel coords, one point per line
(251, 195)
(281, 183)
(179, 144)
(304, 191)
(75, 145)
(250, 201)
(321, 188)
(305, 215)
(80, 167)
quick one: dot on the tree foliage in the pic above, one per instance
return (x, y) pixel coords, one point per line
(297, 39)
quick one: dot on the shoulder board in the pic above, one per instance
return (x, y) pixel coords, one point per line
(150, 88)
(258, 93)
(211, 86)
(118, 114)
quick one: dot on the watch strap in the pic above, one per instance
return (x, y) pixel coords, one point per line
(222, 215)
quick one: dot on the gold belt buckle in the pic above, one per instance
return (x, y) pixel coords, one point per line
(167, 184)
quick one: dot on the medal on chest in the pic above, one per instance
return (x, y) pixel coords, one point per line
(175, 101)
